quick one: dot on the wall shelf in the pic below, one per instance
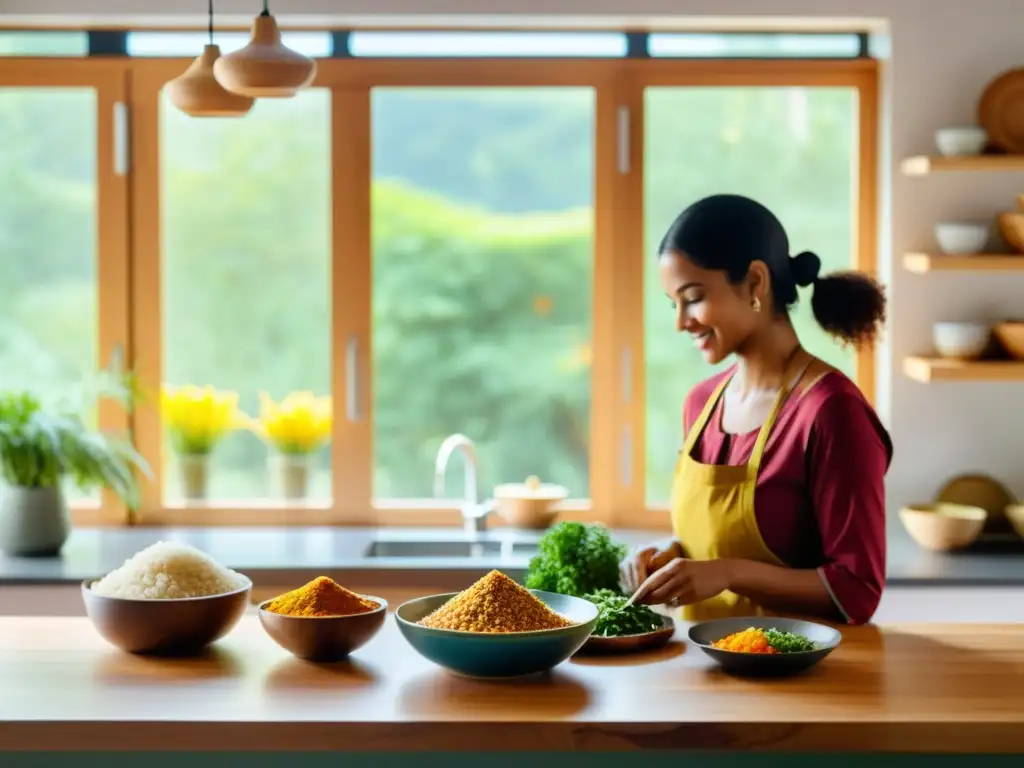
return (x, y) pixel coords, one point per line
(921, 263)
(929, 369)
(922, 165)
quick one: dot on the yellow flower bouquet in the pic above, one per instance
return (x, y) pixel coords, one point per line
(295, 428)
(197, 419)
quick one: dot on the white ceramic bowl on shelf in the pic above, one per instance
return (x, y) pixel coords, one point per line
(961, 141)
(962, 237)
(961, 341)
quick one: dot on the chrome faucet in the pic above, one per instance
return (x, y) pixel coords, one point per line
(474, 514)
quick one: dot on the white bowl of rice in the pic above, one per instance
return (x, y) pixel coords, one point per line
(169, 598)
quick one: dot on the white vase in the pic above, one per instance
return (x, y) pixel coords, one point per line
(194, 474)
(291, 475)
(34, 522)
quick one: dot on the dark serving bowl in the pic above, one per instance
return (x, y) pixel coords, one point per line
(644, 641)
(498, 654)
(826, 640)
(178, 626)
(323, 638)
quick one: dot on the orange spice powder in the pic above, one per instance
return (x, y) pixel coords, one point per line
(322, 597)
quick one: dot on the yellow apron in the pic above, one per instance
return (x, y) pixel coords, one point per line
(713, 508)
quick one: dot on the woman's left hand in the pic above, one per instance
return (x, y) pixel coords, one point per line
(684, 582)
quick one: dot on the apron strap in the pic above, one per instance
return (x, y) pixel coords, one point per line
(766, 428)
(698, 426)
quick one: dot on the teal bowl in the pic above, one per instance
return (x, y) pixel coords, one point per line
(498, 655)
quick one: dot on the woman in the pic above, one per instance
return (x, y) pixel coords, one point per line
(778, 502)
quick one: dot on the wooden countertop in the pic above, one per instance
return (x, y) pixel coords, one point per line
(955, 688)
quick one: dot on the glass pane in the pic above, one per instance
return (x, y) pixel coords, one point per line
(316, 44)
(30, 43)
(246, 272)
(48, 284)
(793, 149)
(482, 277)
(753, 45)
(488, 44)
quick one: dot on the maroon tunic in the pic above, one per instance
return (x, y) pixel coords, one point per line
(820, 498)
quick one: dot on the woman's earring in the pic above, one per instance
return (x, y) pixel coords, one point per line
(756, 304)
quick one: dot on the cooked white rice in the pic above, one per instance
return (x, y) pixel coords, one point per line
(168, 570)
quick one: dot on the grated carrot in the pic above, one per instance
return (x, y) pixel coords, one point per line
(748, 641)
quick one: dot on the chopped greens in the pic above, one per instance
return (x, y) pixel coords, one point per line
(614, 619)
(787, 642)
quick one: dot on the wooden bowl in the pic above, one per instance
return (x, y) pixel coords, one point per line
(1011, 227)
(1010, 334)
(177, 627)
(646, 641)
(524, 506)
(1015, 514)
(943, 527)
(323, 638)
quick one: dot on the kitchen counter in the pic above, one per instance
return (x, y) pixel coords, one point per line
(276, 556)
(916, 688)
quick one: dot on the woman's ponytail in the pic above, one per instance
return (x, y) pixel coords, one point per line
(849, 306)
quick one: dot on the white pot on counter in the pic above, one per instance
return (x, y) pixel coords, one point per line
(529, 505)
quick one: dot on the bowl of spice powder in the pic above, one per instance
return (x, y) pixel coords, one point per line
(321, 620)
(497, 628)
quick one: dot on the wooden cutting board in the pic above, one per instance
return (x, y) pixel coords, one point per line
(1001, 111)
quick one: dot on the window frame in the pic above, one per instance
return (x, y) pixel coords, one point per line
(107, 79)
(130, 267)
(859, 74)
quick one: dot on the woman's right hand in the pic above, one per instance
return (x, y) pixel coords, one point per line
(637, 566)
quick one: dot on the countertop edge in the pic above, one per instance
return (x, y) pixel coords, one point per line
(973, 737)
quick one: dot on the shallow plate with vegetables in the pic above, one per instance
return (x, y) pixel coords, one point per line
(765, 646)
(625, 628)
(582, 560)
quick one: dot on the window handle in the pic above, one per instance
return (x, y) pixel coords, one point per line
(352, 379)
(627, 456)
(122, 154)
(623, 140)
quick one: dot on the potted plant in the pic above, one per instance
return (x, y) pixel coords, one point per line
(40, 448)
(294, 429)
(197, 419)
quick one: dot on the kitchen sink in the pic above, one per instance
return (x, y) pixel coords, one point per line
(490, 548)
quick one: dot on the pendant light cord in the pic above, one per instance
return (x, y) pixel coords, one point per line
(266, 8)
(209, 23)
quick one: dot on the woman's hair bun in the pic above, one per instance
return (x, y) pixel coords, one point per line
(805, 267)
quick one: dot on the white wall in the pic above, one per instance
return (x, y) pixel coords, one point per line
(943, 53)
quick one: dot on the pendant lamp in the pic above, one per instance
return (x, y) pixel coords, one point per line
(265, 68)
(196, 91)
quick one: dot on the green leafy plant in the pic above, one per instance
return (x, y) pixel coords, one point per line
(615, 618)
(39, 447)
(576, 559)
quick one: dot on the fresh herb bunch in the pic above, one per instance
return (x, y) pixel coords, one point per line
(576, 559)
(614, 618)
(40, 447)
(787, 642)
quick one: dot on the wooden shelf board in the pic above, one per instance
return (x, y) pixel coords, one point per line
(922, 165)
(920, 263)
(929, 369)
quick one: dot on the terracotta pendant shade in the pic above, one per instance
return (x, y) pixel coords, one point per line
(197, 93)
(265, 68)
